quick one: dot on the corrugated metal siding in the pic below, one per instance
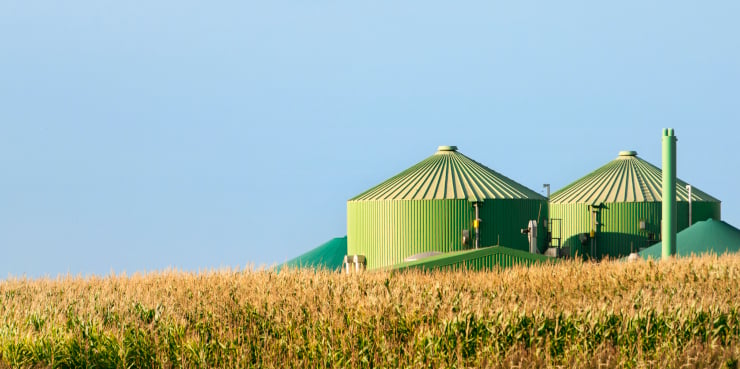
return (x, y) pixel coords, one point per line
(625, 179)
(492, 261)
(387, 232)
(575, 219)
(502, 221)
(619, 231)
(482, 259)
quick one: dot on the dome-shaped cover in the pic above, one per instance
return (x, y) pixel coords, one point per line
(329, 255)
(448, 174)
(703, 237)
(625, 179)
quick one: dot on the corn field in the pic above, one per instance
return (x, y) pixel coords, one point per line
(681, 313)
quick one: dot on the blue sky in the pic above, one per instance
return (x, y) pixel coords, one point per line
(144, 135)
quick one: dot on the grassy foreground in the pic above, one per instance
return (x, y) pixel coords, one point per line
(682, 313)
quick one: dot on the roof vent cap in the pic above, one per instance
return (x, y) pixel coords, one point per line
(447, 148)
(628, 153)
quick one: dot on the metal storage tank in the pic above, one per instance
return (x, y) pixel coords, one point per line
(432, 207)
(617, 209)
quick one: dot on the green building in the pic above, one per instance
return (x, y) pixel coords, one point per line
(435, 205)
(617, 209)
(485, 258)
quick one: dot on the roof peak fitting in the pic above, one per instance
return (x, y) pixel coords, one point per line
(448, 174)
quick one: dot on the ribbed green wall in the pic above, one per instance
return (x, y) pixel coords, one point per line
(619, 230)
(388, 231)
(503, 220)
(489, 262)
(497, 260)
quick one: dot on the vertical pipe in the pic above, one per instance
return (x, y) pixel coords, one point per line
(668, 226)
(476, 223)
(688, 187)
(593, 234)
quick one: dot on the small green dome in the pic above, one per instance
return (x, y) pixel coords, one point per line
(703, 237)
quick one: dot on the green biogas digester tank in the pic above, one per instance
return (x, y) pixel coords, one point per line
(432, 207)
(617, 208)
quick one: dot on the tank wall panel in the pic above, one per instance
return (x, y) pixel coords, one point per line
(388, 231)
(618, 232)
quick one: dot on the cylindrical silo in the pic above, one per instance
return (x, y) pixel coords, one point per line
(617, 208)
(431, 207)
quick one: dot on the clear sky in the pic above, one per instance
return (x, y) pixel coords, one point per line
(143, 135)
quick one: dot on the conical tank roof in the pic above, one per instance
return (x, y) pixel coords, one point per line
(628, 178)
(448, 174)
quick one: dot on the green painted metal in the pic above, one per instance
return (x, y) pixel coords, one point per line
(624, 192)
(387, 232)
(709, 236)
(486, 258)
(669, 189)
(628, 178)
(446, 175)
(329, 255)
(427, 208)
(619, 231)
(503, 220)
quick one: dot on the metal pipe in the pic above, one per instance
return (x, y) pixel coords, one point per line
(668, 225)
(592, 231)
(593, 250)
(547, 185)
(477, 225)
(688, 187)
